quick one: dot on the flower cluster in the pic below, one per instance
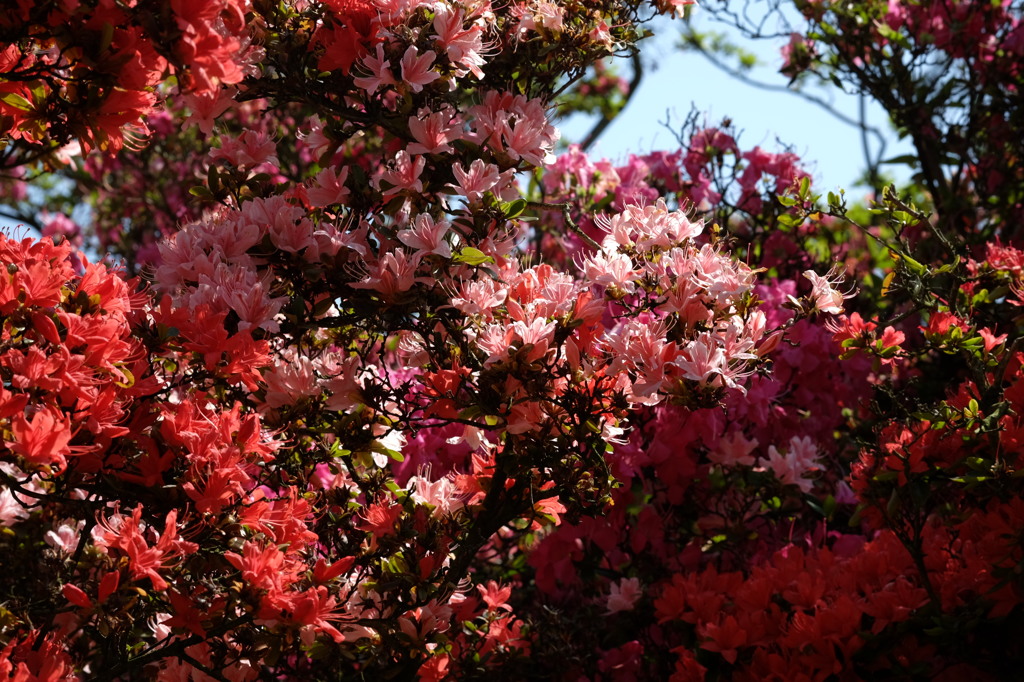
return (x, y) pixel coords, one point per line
(53, 98)
(380, 405)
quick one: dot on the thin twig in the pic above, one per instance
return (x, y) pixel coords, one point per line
(747, 80)
(565, 209)
(872, 163)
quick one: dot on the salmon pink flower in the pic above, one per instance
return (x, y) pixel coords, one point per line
(427, 236)
(990, 339)
(725, 637)
(614, 272)
(403, 175)
(479, 297)
(146, 561)
(479, 178)
(379, 69)
(798, 460)
(464, 45)
(206, 107)
(434, 130)
(252, 148)
(416, 71)
(43, 439)
(328, 188)
(495, 596)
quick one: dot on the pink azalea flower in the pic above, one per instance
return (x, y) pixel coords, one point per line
(433, 131)
(292, 378)
(250, 149)
(479, 297)
(404, 174)
(416, 70)
(379, 72)
(798, 460)
(328, 188)
(206, 107)
(734, 449)
(990, 339)
(427, 236)
(464, 45)
(824, 294)
(314, 138)
(702, 359)
(614, 271)
(392, 274)
(443, 495)
(480, 178)
(623, 595)
(15, 507)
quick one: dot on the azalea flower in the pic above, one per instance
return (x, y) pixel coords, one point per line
(824, 294)
(416, 70)
(624, 595)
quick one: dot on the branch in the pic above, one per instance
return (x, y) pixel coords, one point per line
(565, 209)
(606, 119)
(18, 216)
(494, 513)
(872, 164)
(747, 80)
(174, 648)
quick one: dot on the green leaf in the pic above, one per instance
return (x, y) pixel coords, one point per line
(17, 101)
(513, 209)
(129, 378)
(471, 256)
(830, 506)
(107, 36)
(892, 35)
(892, 508)
(912, 265)
(908, 159)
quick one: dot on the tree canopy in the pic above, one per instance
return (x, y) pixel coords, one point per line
(323, 357)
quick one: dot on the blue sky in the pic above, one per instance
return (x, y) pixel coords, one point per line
(674, 82)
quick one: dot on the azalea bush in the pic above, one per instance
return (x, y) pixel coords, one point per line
(321, 357)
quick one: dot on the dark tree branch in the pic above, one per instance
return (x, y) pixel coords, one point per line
(606, 119)
(860, 123)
